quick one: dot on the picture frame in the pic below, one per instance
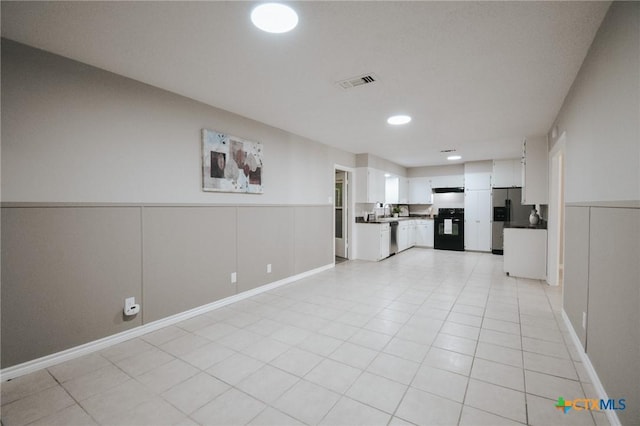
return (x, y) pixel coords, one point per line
(231, 163)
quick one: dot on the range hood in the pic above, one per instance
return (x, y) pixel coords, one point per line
(446, 190)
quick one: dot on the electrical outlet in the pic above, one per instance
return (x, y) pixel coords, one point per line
(268, 268)
(130, 306)
(234, 278)
(129, 301)
(584, 320)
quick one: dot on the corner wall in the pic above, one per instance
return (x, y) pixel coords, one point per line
(102, 200)
(601, 114)
(601, 118)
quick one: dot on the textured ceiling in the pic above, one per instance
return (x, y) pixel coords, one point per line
(475, 76)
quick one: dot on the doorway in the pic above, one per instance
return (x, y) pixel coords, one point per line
(555, 261)
(341, 203)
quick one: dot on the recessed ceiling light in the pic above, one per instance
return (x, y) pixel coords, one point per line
(387, 175)
(454, 157)
(397, 120)
(274, 17)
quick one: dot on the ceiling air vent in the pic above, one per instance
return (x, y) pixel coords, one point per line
(448, 150)
(358, 81)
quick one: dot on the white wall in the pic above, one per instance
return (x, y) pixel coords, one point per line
(428, 171)
(451, 200)
(74, 133)
(478, 167)
(601, 118)
(601, 114)
(375, 162)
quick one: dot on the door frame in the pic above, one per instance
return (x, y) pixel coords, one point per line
(350, 206)
(555, 228)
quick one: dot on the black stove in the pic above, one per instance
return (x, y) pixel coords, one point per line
(449, 229)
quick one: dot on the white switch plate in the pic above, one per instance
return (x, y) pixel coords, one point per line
(584, 320)
(234, 278)
(268, 268)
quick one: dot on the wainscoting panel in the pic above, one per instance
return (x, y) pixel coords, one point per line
(265, 236)
(576, 270)
(189, 254)
(313, 237)
(613, 332)
(66, 269)
(65, 275)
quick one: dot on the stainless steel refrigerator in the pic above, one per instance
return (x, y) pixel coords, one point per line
(507, 208)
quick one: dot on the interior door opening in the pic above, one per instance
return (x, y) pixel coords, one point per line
(341, 210)
(555, 260)
(560, 276)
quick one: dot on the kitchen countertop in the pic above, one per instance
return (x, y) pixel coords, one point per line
(511, 225)
(393, 219)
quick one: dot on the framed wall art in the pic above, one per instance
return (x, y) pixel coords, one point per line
(230, 163)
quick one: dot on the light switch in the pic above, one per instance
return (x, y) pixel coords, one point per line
(234, 278)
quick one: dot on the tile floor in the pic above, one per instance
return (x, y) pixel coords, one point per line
(425, 337)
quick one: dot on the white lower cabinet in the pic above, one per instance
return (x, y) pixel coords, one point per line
(424, 233)
(403, 236)
(430, 232)
(373, 240)
(412, 233)
(525, 253)
(406, 234)
(385, 242)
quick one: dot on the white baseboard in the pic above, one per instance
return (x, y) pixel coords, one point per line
(595, 380)
(96, 345)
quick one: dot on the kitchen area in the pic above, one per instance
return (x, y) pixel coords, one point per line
(494, 206)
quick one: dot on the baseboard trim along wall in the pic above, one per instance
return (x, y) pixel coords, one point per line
(87, 348)
(612, 417)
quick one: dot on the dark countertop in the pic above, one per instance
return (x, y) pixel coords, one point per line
(542, 224)
(392, 219)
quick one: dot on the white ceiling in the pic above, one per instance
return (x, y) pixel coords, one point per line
(475, 76)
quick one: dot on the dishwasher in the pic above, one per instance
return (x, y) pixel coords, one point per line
(393, 241)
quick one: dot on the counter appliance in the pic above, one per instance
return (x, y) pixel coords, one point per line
(448, 230)
(393, 241)
(507, 209)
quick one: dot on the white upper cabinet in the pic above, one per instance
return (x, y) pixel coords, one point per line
(535, 171)
(403, 190)
(396, 190)
(507, 173)
(370, 185)
(420, 191)
(449, 181)
(476, 181)
(392, 187)
(477, 175)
